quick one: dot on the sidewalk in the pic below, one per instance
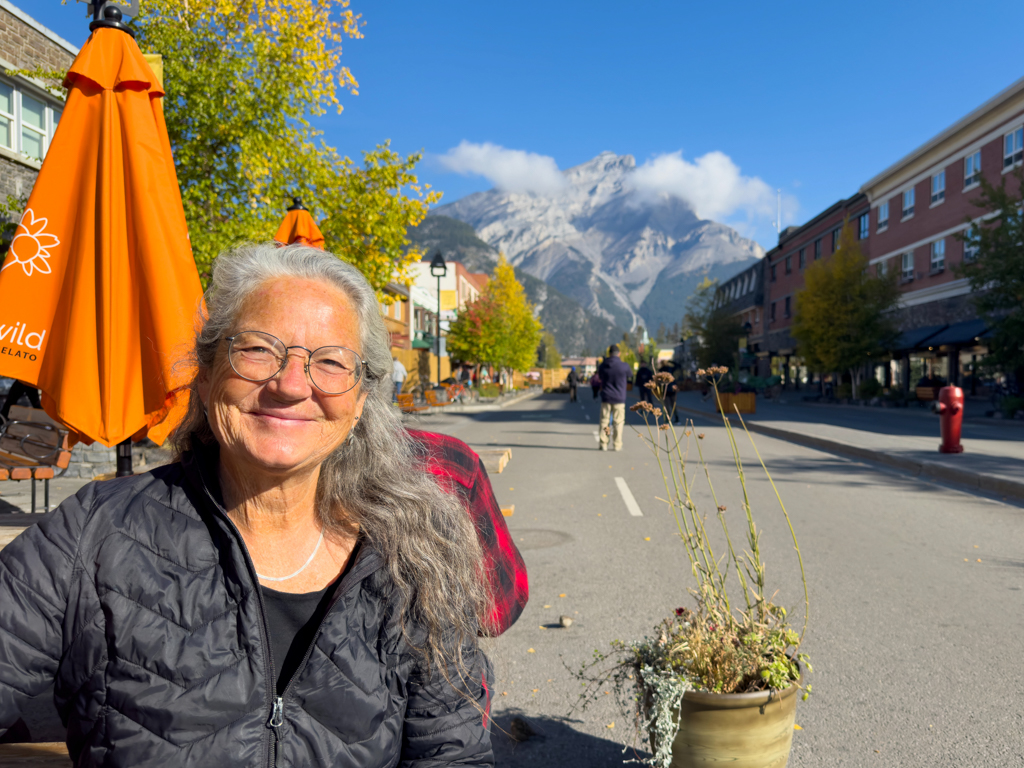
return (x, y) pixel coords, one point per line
(904, 439)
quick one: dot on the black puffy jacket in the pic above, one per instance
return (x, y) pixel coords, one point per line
(137, 599)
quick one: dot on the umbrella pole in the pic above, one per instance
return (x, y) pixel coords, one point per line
(124, 459)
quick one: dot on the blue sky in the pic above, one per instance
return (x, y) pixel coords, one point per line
(812, 98)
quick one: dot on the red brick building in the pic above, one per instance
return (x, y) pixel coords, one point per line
(28, 112)
(918, 207)
(907, 219)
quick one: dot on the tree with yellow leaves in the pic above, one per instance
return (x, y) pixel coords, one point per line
(243, 80)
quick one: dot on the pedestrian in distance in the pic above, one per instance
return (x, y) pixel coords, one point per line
(296, 588)
(398, 375)
(643, 375)
(614, 375)
(573, 381)
(595, 384)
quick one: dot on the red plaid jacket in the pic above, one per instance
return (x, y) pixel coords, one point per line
(459, 469)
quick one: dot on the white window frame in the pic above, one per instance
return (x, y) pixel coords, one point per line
(1013, 148)
(882, 267)
(939, 187)
(908, 210)
(970, 252)
(883, 216)
(938, 256)
(51, 116)
(9, 117)
(907, 266)
(972, 170)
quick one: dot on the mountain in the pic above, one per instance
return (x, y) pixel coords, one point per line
(575, 329)
(629, 257)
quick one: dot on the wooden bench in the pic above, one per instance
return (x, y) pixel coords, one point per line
(927, 394)
(437, 398)
(33, 447)
(407, 402)
(41, 755)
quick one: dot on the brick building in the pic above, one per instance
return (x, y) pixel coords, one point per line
(907, 219)
(798, 248)
(28, 112)
(742, 297)
(918, 207)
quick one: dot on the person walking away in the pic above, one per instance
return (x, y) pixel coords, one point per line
(614, 375)
(398, 375)
(574, 381)
(595, 384)
(643, 376)
(15, 393)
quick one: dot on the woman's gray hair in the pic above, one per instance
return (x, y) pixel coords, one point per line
(376, 481)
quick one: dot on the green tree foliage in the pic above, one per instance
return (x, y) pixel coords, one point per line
(499, 328)
(717, 333)
(243, 79)
(996, 274)
(844, 315)
(548, 355)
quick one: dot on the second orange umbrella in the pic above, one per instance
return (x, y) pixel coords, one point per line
(298, 227)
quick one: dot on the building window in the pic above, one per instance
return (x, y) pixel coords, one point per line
(27, 124)
(938, 256)
(864, 226)
(972, 169)
(773, 311)
(836, 234)
(880, 267)
(773, 273)
(970, 250)
(787, 306)
(938, 187)
(789, 264)
(883, 215)
(803, 258)
(908, 266)
(1013, 147)
(817, 249)
(908, 203)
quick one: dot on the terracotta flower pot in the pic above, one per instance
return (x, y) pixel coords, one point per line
(742, 730)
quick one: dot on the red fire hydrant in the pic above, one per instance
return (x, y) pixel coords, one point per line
(951, 415)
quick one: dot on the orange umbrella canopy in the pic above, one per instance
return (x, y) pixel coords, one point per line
(99, 292)
(298, 227)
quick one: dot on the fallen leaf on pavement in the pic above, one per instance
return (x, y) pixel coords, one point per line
(542, 626)
(647, 538)
(979, 559)
(530, 650)
(610, 725)
(536, 689)
(504, 693)
(797, 727)
(547, 606)
(562, 595)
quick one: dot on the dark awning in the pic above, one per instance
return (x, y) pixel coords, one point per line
(959, 333)
(915, 337)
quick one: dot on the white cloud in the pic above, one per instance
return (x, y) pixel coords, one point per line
(712, 184)
(510, 170)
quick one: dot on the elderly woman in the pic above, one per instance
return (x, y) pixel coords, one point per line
(294, 591)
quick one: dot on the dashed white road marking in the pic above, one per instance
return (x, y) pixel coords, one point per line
(627, 496)
(597, 436)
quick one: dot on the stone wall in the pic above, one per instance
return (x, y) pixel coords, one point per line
(89, 461)
(27, 48)
(16, 178)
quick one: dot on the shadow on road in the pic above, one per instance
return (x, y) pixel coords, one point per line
(554, 743)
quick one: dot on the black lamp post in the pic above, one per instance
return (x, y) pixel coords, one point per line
(438, 269)
(297, 205)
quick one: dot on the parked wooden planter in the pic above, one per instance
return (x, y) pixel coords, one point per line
(741, 730)
(745, 401)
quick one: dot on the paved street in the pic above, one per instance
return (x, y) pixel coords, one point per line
(915, 592)
(916, 587)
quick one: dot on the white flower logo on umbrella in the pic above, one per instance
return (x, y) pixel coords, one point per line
(30, 245)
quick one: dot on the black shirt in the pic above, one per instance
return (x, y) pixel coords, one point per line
(293, 620)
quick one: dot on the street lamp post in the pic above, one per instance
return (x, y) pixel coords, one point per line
(438, 269)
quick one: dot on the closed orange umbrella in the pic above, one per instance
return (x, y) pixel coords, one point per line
(99, 291)
(298, 227)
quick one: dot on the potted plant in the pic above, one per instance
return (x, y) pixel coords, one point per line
(718, 681)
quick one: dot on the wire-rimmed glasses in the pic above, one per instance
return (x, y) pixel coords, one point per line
(258, 356)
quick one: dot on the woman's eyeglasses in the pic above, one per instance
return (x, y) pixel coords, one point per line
(258, 356)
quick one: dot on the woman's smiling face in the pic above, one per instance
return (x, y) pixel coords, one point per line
(284, 425)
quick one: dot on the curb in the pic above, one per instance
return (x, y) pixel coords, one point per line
(1002, 486)
(482, 407)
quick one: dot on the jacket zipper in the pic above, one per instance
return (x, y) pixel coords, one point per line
(275, 704)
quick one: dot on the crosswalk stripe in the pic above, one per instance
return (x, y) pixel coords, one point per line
(627, 496)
